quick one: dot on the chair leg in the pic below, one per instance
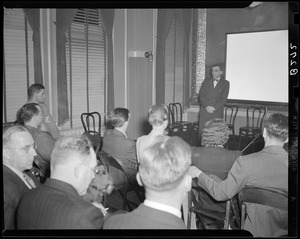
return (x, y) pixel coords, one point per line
(227, 215)
(243, 216)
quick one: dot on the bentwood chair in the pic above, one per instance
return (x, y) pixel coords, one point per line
(230, 112)
(91, 123)
(209, 219)
(253, 129)
(273, 197)
(176, 112)
(125, 187)
(173, 128)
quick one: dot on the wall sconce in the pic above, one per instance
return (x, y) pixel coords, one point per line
(149, 56)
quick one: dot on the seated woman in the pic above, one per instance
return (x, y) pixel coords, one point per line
(30, 115)
(214, 159)
(158, 118)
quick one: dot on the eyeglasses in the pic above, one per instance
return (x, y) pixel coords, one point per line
(25, 148)
(94, 169)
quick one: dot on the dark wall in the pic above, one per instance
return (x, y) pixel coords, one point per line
(267, 16)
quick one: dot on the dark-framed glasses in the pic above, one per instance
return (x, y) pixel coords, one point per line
(25, 148)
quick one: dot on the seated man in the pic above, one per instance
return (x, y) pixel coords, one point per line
(214, 159)
(267, 168)
(163, 171)
(58, 204)
(158, 118)
(30, 115)
(117, 144)
(36, 94)
(18, 153)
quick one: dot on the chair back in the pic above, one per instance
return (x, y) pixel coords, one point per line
(230, 112)
(255, 116)
(176, 112)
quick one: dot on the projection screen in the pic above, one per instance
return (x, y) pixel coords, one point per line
(257, 66)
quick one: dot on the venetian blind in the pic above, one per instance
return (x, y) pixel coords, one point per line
(174, 61)
(86, 65)
(18, 72)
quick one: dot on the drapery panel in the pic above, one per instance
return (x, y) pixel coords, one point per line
(64, 18)
(164, 22)
(107, 16)
(33, 17)
(187, 20)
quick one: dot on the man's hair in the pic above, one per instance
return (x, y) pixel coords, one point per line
(215, 132)
(219, 65)
(8, 132)
(26, 112)
(277, 126)
(33, 89)
(164, 164)
(157, 114)
(65, 148)
(118, 116)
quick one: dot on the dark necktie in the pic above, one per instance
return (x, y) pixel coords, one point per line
(29, 180)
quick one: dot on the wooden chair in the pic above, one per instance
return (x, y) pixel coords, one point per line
(91, 123)
(220, 220)
(255, 117)
(173, 128)
(176, 113)
(123, 189)
(230, 112)
(273, 197)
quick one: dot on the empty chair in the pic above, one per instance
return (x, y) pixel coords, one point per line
(128, 185)
(91, 123)
(230, 112)
(273, 197)
(255, 117)
(173, 128)
(176, 113)
(209, 219)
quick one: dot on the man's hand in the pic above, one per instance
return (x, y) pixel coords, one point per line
(194, 171)
(210, 109)
(100, 206)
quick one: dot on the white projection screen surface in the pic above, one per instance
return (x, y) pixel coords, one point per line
(257, 66)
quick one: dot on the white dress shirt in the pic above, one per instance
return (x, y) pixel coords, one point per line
(163, 207)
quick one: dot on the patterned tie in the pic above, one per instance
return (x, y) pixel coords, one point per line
(29, 181)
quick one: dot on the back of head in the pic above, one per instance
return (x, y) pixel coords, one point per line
(34, 89)
(118, 116)
(26, 112)
(164, 164)
(67, 147)
(157, 114)
(276, 126)
(215, 133)
(8, 132)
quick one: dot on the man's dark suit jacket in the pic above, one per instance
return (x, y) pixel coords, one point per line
(117, 145)
(57, 205)
(13, 188)
(216, 161)
(144, 217)
(210, 96)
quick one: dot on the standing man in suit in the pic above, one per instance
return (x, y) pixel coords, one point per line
(266, 168)
(163, 171)
(117, 144)
(212, 97)
(18, 155)
(58, 204)
(36, 94)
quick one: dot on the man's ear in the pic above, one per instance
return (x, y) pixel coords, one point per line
(188, 182)
(138, 179)
(264, 132)
(6, 153)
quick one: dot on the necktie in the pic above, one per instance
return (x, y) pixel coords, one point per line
(215, 82)
(29, 180)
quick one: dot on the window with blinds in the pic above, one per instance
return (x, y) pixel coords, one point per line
(86, 65)
(174, 61)
(18, 66)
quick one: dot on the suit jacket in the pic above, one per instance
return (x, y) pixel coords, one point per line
(117, 145)
(45, 144)
(212, 96)
(144, 217)
(57, 205)
(216, 161)
(267, 168)
(13, 188)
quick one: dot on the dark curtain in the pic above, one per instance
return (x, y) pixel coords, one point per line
(164, 22)
(64, 18)
(33, 17)
(187, 21)
(108, 16)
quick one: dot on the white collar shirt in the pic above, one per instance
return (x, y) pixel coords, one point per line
(162, 207)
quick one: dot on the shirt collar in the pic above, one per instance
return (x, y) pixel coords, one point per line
(122, 132)
(162, 207)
